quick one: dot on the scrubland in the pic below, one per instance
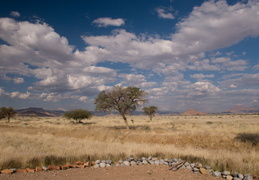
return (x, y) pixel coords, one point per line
(225, 142)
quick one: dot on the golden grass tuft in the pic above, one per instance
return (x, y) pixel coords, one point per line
(225, 142)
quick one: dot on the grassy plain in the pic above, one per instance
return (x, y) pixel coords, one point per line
(225, 142)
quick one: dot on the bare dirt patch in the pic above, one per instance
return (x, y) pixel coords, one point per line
(147, 172)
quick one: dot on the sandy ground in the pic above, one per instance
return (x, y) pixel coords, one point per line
(148, 172)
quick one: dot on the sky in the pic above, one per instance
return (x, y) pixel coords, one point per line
(185, 54)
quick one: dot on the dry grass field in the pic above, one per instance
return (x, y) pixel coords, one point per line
(225, 142)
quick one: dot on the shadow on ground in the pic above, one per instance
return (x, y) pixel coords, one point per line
(252, 138)
(144, 127)
(83, 123)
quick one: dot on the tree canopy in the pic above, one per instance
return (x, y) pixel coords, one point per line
(125, 100)
(150, 111)
(78, 115)
(7, 113)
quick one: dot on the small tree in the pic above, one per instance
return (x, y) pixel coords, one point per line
(78, 115)
(123, 100)
(150, 111)
(7, 113)
(1, 114)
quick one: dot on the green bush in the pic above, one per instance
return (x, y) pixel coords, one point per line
(78, 115)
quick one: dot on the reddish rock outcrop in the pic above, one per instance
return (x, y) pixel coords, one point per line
(21, 170)
(192, 112)
(6, 171)
(30, 170)
(38, 168)
(64, 167)
(80, 166)
(87, 164)
(52, 168)
(78, 163)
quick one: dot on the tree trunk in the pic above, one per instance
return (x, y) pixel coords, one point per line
(8, 119)
(126, 121)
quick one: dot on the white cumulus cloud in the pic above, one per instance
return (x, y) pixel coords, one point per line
(107, 21)
(18, 80)
(202, 76)
(136, 80)
(164, 13)
(246, 80)
(202, 89)
(83, 99)
(60, 71)
(15, 14)
(20, 95)
(215, 24)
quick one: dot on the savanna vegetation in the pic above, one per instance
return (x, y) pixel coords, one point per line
(150, 111)
(124, 100)
(78, 115)
(225, 142)
(7, 113)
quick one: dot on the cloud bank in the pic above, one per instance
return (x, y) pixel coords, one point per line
(35, 52)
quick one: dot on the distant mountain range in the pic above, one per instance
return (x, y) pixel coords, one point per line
(239, 109)
(33, 111)
(40, 112)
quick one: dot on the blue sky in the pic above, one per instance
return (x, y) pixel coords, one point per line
(184, 54)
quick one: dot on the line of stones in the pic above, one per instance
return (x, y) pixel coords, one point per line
(131, 161)
(195, 167)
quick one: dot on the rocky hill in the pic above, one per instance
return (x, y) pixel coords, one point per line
(192, 112)
(32, 111)
(239, 109)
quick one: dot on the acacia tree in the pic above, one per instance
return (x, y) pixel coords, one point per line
(78, 115)
(7, 113)
(150, 111)
(1, 114)
(123, 100)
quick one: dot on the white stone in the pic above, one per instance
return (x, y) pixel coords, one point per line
(102, 165)
(126, 163)
(216, 173)
(144, 162)
(96, 166)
